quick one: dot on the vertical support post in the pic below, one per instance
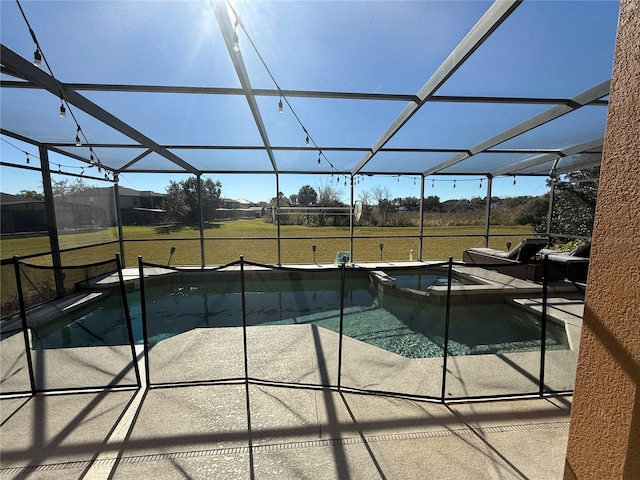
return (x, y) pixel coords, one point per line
(278, 214)
(116, 194)
(201, 215)
(487, 215)
(246, 362)
(446, 331)
(143, 319)
(351, 223)
(422, 180)
(23, 318)
(342, 281)
(244, 321)
(552, 195)
(127, 317)
(543, 321)
(50, 208)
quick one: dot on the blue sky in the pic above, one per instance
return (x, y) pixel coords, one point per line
(545, 49)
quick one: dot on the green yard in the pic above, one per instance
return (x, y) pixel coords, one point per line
(226, 241)
(255, 239)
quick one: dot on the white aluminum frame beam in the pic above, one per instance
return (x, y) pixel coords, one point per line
(32, 73)
(576, 102)
(226, 29)
(535, 160)
(488, 23)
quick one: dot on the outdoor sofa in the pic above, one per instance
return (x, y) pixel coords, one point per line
(519, 262)
(572, 265)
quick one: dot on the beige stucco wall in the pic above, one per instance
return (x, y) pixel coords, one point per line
(604, 437)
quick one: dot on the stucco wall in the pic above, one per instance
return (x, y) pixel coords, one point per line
(604, 437)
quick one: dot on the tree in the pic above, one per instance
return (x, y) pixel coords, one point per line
(575, 203)
(533, 211)
(432, 204)
(175, 202)
(31, 194)
(380, 193)
(329, 196)
(307, 196)
(63, 188)
(181, 200)
(410, 204)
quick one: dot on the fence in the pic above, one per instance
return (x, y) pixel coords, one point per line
(438, 332)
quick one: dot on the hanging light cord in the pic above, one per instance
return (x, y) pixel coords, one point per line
(63, 99)
(266, 67)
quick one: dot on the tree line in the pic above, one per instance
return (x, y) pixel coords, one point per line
(574, 206)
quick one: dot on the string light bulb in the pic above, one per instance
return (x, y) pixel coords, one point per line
(78, 142)
(63, 111)
(235, 44)
(480, 183)
(454, 184)
(514, 179)
(280, 109)
(28, 160)
(319, 155)
(37, 58)
(306, 142)
(433, 183)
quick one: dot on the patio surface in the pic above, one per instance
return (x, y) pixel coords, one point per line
(201, 432)
(265, 431)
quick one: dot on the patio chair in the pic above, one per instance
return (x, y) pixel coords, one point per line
(583, 251)
(518, 262)
(572, 265)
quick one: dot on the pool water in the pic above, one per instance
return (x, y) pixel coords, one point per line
(422, 280)
(410, 328)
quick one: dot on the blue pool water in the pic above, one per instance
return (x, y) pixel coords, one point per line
(422, 280)
(411, 328)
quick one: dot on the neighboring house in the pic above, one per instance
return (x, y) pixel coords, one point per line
(136, 207)
(231, 209)
(22, 215)
(28, 215)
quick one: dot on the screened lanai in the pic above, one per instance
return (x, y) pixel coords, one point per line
(344, 92)
(250, 331)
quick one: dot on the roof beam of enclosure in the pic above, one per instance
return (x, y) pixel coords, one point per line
(513, 168)
(572, 168)
(298, 148)
(220, 9)
(493, 17)
(576, 102)
(263, 92)
(16, 63)
(135, 160)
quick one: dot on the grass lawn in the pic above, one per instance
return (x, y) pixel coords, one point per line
(226, 241)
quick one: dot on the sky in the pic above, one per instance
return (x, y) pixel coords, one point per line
(545, 49)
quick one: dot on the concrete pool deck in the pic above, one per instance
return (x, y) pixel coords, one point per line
(264, 431)
(203, 431)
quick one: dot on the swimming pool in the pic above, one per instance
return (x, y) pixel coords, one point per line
(424, 278)
(408, 327)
